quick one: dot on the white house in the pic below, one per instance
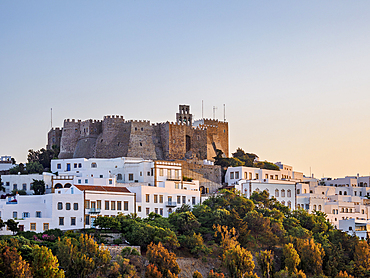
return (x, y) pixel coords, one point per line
(6, 163)
(359, 228)
(24, 182)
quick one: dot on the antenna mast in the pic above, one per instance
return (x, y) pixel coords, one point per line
(51, 117)
(224, 112)
(202, 110)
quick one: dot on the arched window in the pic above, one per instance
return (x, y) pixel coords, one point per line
(283, 203)
(257, 190)
(289, 193)
(276, 193)
(67, 185)
(314, 207)
(94, 165)
(290, 204)
(282, 193)
(319, 207)
(340, 192)
(298, 191)
(345, 192)
(58, 185)
(119, 177)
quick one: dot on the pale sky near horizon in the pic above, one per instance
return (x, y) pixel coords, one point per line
(294, 75)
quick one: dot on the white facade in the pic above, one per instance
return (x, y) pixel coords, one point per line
(62, 210)
(6, 163)
(283, 191)
(359, 228)
(24, 182)
(164, 198)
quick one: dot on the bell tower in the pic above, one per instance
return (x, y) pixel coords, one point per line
(184, 115)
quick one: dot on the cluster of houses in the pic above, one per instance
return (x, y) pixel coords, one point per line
(79, 190)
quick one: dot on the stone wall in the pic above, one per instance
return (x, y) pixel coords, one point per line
(54, 137)
(115, 137)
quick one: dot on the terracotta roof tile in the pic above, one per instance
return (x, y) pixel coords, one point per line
(102, 188)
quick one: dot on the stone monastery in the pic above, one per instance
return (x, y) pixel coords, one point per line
(116, 137)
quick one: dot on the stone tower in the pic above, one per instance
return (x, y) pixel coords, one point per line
(184, 116)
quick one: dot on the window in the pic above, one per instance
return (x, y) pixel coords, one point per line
(289, 204)
(168, 173)
(350, 228)
(15, 187)
(177, 174)
(246, 175)
(161, 211)
(61, 221)
(276, 193)
(236, 175)
(87, 204)
(38, 214)
(15, 214)
(87, 220)
(231, 175)
(107, 205)
(25, 215)
(161, 199)
(46, 226)
(33, 226)
(257, 176)
(272, 177)
(333, 211)
(113, 205)
(282, 193)
(193, 200)
(119, 205)
(68, 167)
(184, 199)
(161, 172)
(94, 165)
(147, 198)
(119, 177)
(178, 199)
(75, 165)
(101, 176)
(298, 191)
(75, 206)
(266, 176)
(289, 193)
(60, 205)
(340, 192)
(148, 173)
(59, 166)
(125, 205)
(139, 208)
(130, 177)
(147, 211)
(156, 210)
(68, 206)
(7, 183)
(177, 186)
(363, 211)
(141, 174)
(155, 198)
(319, 207)
(314, 207)
(73, 221)
(276, 177)
(86, 181)
(79, 165)
(98, 204)
(110, 181)
(24, 186)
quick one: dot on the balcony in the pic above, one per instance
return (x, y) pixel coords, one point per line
(171, 204)
(94, 211)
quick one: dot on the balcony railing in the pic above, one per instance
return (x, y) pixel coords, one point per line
(94, 211)
(171, 204)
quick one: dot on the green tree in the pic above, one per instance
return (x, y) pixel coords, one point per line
(265, 260)
(311, 255)
(184, 222)
(292, 259)
(12, 225)
(239, 262)
(19, 192)
(34, 167)
(11, 263)
(45, 264)
(38, 187)
(18, 169)
(164, 260)
(362, 256)
(2, 223)
(81, 257)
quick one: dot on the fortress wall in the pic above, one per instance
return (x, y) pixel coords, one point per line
(176, 141)
(198, 142)
(69, 139)
(54, 137)
(157, 141)
(141, 141)
(114, 139)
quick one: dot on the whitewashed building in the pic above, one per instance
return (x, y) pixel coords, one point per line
(355, 227)
(24, 182)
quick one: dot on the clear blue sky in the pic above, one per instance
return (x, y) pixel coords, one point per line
(294, 75)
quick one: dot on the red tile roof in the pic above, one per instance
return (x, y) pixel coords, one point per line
(102, 188)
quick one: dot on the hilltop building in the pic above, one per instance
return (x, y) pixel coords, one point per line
(117, 137)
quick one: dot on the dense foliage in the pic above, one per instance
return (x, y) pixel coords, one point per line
(227, 227)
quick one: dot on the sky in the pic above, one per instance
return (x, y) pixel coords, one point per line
(294, 75)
